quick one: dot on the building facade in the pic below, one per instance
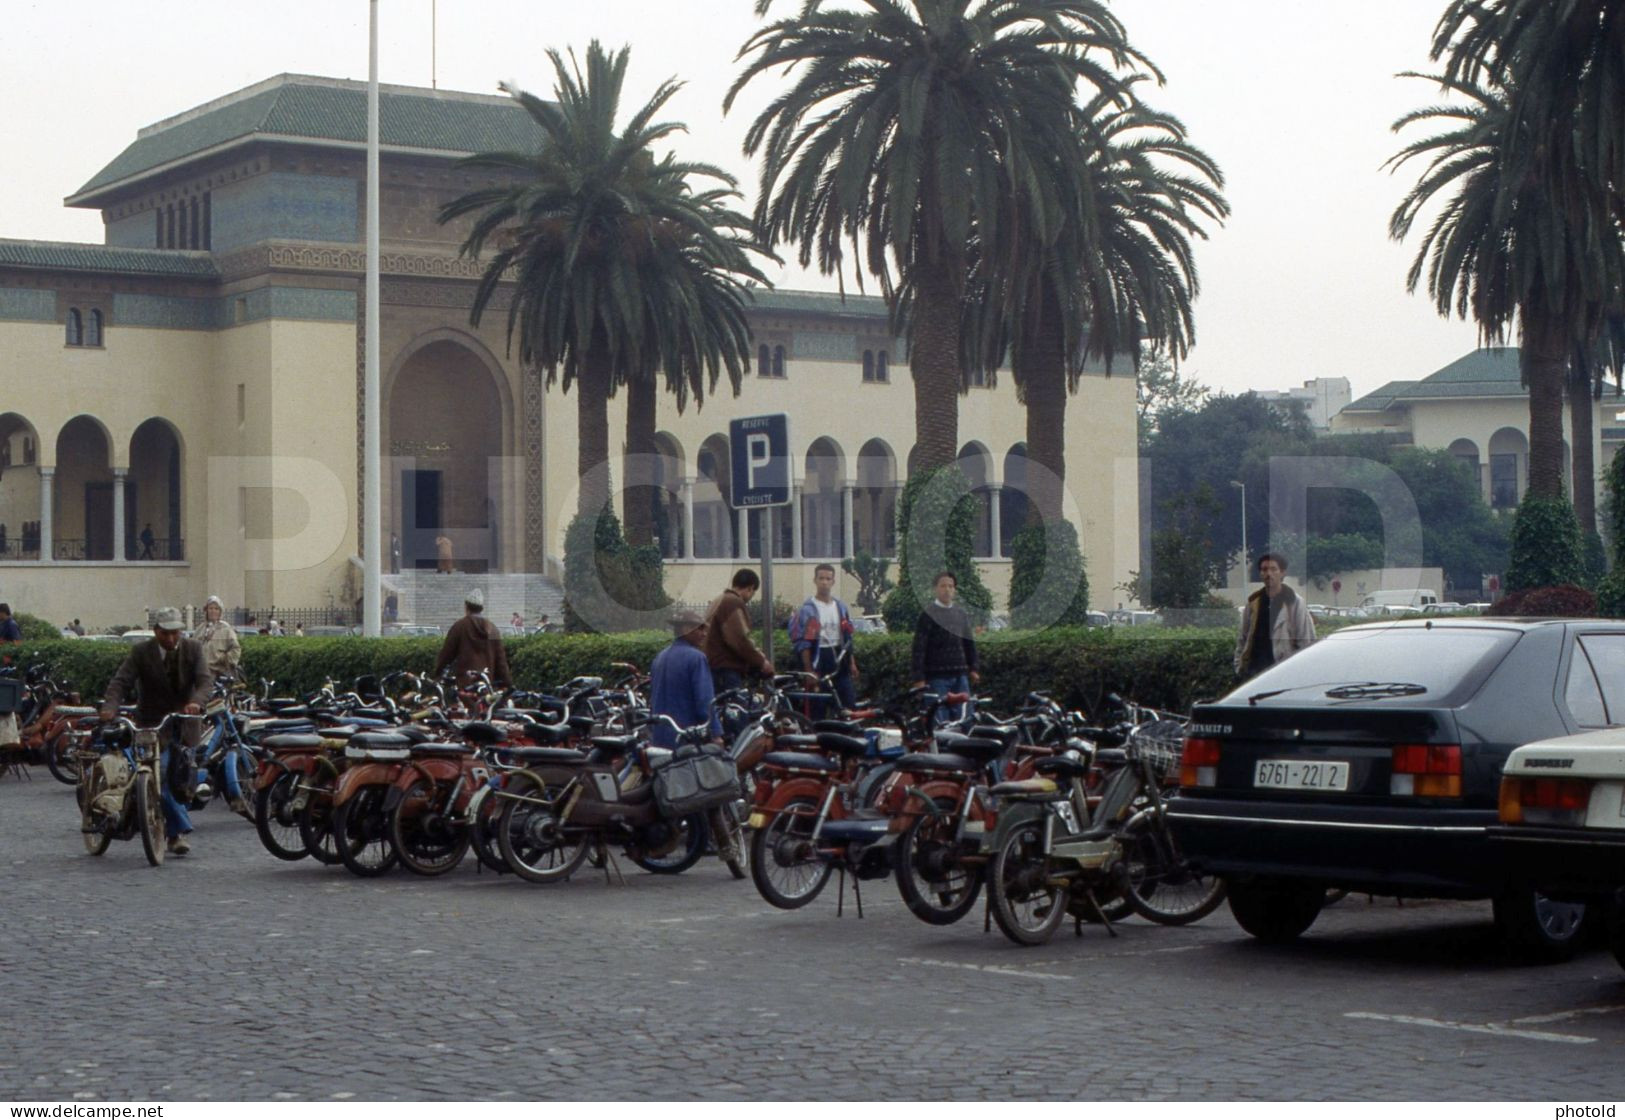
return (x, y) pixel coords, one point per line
(1319, 398)
(182, 413)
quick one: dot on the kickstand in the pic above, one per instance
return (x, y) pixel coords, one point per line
(987, 910)
(1094, 904)
(840, 893)
(857, 893)
(611, 864)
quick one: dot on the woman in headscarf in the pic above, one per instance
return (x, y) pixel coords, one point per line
(219, 638)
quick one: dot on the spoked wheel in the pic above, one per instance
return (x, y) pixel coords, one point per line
(62, 758)
(482, 834)
(784, 864)
(361, 832)
(728, 836)
(684, 853)
(93, 826)
(275, 820)
(1162, 886)
(935, 885)
(149, 812)
(534, 844)
(1027, 905)
(315, 815)
(428, 841)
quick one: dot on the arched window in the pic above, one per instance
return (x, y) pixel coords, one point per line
(158, 240)
(194, 241)
(868, 365)
(76, 328)
(93, 328)
(764, 360)
(778, 361)
(882, 367)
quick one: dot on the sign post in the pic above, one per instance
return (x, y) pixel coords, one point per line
(759, 453)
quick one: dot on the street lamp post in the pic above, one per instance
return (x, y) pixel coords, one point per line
(1242, 486)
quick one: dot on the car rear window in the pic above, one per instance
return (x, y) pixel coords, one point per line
(1449, 662)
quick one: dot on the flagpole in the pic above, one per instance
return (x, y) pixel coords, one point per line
(372, 503)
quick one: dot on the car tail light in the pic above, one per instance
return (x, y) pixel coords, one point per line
(1426, 770)
(1199, 765)
(1561, 801)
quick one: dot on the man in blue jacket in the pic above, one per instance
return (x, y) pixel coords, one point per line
(680, 681)
(820, 630)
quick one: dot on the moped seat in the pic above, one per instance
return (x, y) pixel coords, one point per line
(292, 743)
(582, 725)
(849, 745)
(439, 750)
(797, 760)
(340, 731)
(794, 741)
(531, 756)
(984, 750)
(1005, 735)
(518, 715)
(274, 726)
(839, 726)
(483, 734)
(1111, 756)
(614, 744)
(545, 733)
(413, 733)
(371, 713)
(1062, 766)
(376, 740)
(922, 763)
(1029, 787)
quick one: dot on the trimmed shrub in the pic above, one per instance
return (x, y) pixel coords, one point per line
(928, 501)
(1566, 601)
(1547, 550)
(36, 629)
(608, 583)
(1063, 600)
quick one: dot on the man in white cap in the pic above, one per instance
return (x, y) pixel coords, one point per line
(474, 645)
(220, 643)
(167, 673)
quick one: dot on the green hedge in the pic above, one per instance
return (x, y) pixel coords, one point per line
(1165, 668)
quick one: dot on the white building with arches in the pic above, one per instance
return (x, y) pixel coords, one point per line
(182, 410)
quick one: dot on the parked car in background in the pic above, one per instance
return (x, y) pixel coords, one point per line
(1097, 618)
(330, 631)
(1134, 618)
(868, 624)
(1371, 762)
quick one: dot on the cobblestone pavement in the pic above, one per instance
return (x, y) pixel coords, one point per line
(229, 974)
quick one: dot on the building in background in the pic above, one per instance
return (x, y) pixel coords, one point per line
(1319, 399)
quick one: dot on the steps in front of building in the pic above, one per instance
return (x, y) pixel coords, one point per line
(429, 598)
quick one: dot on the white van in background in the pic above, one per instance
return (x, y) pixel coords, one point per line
(1417, 597)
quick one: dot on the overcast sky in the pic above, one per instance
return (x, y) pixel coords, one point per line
(1294, 98)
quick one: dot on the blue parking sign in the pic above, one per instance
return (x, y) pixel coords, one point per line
(760, 450)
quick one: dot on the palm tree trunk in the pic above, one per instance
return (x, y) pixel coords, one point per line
(642, 396)
(934, 360)
(1544, 363)
(1043, 385)
(592, 432)
(1585, 467)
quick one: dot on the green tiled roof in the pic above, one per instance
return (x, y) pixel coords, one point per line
(822, 303)
(1491, 372)
(295, 107)
(70, 256)
(1379, 399)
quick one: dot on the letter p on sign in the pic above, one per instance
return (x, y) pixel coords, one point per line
(758, 453)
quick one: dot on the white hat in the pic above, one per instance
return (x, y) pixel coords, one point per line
(215, 599)
(168, 618)
(475, 598)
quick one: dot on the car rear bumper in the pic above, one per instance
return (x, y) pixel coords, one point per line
(1428, 852)
(1578, 861)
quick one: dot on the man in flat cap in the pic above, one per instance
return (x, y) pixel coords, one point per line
(474, 644)
(680, 681)
(167, 673)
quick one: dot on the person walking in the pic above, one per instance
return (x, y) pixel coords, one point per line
(78, 629)
(944, 657)
(819, 631)
(221, 646)
(167, 673)
(10, 633)
(680, 684)
(1275, 623)
(728, 645)
(474, 645)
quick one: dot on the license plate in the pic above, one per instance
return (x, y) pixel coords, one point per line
(1282, 773)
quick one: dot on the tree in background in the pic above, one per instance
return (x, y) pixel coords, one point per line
(1160, 387)
(1184, 565)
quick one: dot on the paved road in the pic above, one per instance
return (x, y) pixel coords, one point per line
(306, 983)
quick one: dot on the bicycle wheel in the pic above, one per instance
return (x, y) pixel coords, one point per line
(684, 853)
(936, 887)
(1027, 905)
(61, 758)
(1162, 885)
(427, 839)
(91, 830)
(361, 832)
(315, 814)
(275, 820)
(482, 833)
(149, 813)
(534, 844)
(787, 870)
(728, 837)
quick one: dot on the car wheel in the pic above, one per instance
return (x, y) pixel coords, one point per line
(1275, 910)
(1537, 929)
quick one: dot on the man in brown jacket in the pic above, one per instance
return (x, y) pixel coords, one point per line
(728, 646)
(474, 644)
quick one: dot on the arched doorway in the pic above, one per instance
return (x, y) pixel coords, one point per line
(1465, 451)
(977, 466)
(1509, 467)
(82, 521)
(668, 495)
(713, 516)
(19, 488)
(823, 523)
(152, 494)
(447, 435)
(874, 500)
(1012, 497)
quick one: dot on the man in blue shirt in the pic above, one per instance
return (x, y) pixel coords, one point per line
(680, 681)
(10, 632)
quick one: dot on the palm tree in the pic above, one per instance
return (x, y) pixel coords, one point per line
(619, 267)
(1507, 247)
(908, 126)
